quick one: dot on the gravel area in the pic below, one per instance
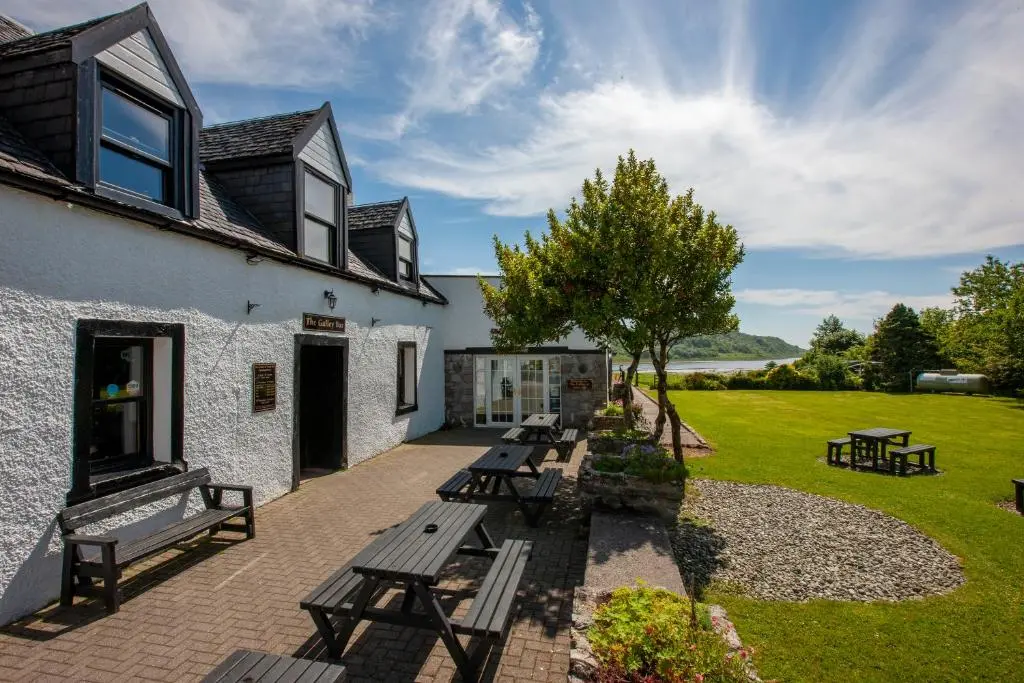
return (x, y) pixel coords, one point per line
(775, 543)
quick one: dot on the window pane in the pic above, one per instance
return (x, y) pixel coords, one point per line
(320, 199)
(318, 241)
(135, 126)
(404, 249)
(117, 369)
(404, 268)
(409, 375)
(131, 174)
(116, 432)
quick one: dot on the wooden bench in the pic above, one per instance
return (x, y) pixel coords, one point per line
(331, 598)
(920, 450)
(542, 495)
(835, 451)
(259, 667)
(114, 557)
(457, 487)
(566, 443)
(1018, 489)
(514, 435)
(491, 613)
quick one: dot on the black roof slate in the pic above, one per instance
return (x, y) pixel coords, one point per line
(377, 215)
(254, 137)
(12, 30)
(48, 40)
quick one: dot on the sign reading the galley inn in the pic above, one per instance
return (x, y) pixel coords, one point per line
(264, 387)
(322, 323)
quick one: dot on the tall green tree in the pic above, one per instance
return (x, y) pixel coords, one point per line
(902, 348)
(832, 338)
(631, 265)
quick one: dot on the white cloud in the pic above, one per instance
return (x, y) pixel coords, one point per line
(899, 151)
(470, 270)
(277, 43)
(847, 305)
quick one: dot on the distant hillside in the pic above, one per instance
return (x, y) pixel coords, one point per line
(733, 346)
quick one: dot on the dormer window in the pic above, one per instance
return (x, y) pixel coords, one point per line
(135, 146)
(321, 211)
(405, 269)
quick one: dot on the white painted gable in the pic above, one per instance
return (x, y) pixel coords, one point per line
(321, 153)
(137, 59)
(405, 227)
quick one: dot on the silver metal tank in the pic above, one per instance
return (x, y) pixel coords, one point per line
(952, 381)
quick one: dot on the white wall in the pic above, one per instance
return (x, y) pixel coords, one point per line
(466, 325)
(59, 264)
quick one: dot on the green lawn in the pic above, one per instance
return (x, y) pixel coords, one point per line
(973, 633)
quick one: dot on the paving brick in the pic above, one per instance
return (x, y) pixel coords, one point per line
(184, 611)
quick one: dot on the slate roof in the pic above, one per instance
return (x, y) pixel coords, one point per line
(12, 30)
(377, 215)
(48, 40)
(254, 137)
(18, 155)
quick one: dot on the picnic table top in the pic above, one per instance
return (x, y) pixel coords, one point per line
(540, 420)
(879, 433)
(409, 553)
(501, 459)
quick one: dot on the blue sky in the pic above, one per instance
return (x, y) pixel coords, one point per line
(867, 152)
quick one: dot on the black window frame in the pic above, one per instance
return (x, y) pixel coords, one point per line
(83, 485)
(411, 277)
(337, 245)
(144, 401)
(178, 171)
(401, 407)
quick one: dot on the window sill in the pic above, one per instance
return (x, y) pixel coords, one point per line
(402, 410)
(113, 482)
(110, 192)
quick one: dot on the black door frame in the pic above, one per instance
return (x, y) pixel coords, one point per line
(317, 340)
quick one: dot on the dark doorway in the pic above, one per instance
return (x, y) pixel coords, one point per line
(320, 414)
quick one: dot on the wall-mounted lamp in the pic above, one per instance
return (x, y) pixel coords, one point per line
(249, 305)
(332, 300)
(375, 289)
(374, 321)
(424, 302)
(252, 258)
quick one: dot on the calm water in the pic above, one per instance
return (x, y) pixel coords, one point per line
(711, 365)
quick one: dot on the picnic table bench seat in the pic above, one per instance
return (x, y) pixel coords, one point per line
(1018, 490)
(490, 614)
(566, 442)
(835, 450)
(542, 494)
(922, 450)
(260, 667)
(514, 435)
(456, 487)
(114, 557)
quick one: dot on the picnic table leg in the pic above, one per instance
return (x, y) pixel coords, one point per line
(437, 616)
(348, 624)
(410, 595)
(485, 538)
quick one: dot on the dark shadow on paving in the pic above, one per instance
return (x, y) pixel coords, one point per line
(913, 468)
(461, 437)
(698, 550)
(55, 620)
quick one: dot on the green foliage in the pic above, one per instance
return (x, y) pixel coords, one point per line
(832, 338)
(831, 372)
(902, 348)
(970, 634)
(647, 461)
(612, 409)
(652, 635)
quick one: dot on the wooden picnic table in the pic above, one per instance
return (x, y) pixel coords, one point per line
(875, 442)
(412, 556)
(494, 474)
(540, 426)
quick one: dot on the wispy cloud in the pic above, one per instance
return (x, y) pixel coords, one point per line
(909, 146)
(470, 270)
(301, 44)
(859, 306)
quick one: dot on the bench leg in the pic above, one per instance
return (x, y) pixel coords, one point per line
(1019, 498)
(533, 515)
(67, 585)
(111, 598)
(250, 514)
(465, 665)
(326, 631)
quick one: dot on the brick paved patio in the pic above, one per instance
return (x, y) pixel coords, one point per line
(183, 612)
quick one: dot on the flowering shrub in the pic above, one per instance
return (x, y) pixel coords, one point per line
(651, 635)
(650, 462)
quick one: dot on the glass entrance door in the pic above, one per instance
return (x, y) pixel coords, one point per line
(508, 389)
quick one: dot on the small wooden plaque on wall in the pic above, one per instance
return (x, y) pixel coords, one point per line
(579, 384)
(264, 387)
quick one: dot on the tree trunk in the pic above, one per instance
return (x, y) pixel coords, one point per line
(661, 376)
(627, 397)
(665, 407)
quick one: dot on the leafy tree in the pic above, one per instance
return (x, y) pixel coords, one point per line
(832, 338)
(831, 371)
(630, 265)
(902, 347)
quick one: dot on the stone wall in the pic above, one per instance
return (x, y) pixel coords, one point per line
(458, 389)
(578, 406)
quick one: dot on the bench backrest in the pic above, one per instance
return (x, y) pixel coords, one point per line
(75, 516)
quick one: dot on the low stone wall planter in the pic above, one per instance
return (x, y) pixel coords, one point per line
(621, 491)
(611, 422)
(601, 443)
